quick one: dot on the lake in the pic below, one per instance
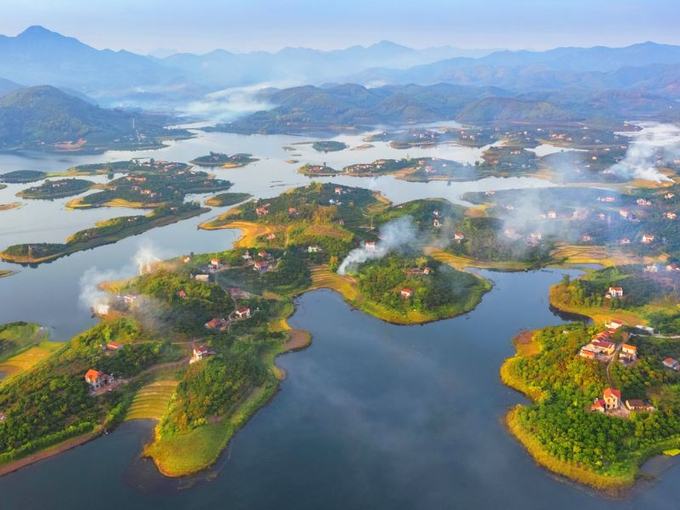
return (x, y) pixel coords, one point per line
(372, 415)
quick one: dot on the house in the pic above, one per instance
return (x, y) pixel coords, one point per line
(263, 254)
(247, 256)
(182, 294)
(624, 240)
(647, 238)
(114, 346)
(261, 266)
(599, 405)
(638, 405)
(129, 299)
(102, 309)
(536, 236)
(671, 363)
(669, 195)
(370, 245)
(261, 211)
(215, 263)
(624, 213)
(602, 346)
(671, 215)
(243, 312)
(552, 215)
(642, 201)
(612, 398)
(406, 293)
(458, 237)
(338, 191)
(615, 292)
(97, 379)
(217, 324)
(202, 277)
(586, 238)
(186, 259)
(614, 325)
(652, 268)
(436, 223)
(199, 353)
(292, 211)
(672, 267)
(629, 352)
(314, 248)
(271, 237)
(587, 352)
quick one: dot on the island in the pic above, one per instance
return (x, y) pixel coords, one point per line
(191, 342)
(7, 207)
(22, 176)
(226, 199)
(215, 159)
(105, 232)
(61, 188)
(329, 146)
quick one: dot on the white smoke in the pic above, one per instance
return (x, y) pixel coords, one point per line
(393, 235)
(91, 294)
(655, 145)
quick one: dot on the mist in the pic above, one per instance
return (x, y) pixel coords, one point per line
(652, 147)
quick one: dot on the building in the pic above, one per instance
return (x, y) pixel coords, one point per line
(129, 299)
(647, 238)
(97, 379)
(200, 352)
(614, 325)
(458, 237)
(652, 268)
(671, 215)
(114, 346)
(182, 294)
(215, 263)
(202, 277)
(612, 398)
(586, 238)
(217, 324)
(624, 240)
(552, 215)
(628, 352)
(261, 265)
(436, 223)
(603, 347)
(615, 292)
(314, 248)
(370, 245)
(406, 293)
(599, 405)
(671, 363)
(587, 352)
(243, 312)
(638, 405)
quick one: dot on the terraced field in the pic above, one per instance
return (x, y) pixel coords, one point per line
(151, 401)
(29, 358)
(323, 278)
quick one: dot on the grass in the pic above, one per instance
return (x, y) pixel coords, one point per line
(598, 314)
(575, 254)
(250, 232)
(29, 358)
(459, 262)
(226, 199)
(186, 453)
(151, 402)
(7, 207)
(78, 203)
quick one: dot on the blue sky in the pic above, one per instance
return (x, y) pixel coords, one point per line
(203, 25)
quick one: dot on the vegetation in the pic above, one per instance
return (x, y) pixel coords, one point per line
(106, 232)
(329, 146)
(56, 189)
(17, 336)
(22, 176)
(218, 159)
(226, 199)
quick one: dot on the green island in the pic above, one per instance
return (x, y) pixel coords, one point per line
(226, 199)
(155, 183)
(329, 146)
(61, 188)
(22, 176)
(223, 160)
(192, 342)
(105, 232)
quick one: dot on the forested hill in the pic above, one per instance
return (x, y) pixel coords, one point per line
(42, 116)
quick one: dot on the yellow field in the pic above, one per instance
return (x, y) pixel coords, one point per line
(77, 203)
(151, 402)
(323, 278)
(7, 207)
(29, 358)
(460, 263)
(571, 254)
(250, 231)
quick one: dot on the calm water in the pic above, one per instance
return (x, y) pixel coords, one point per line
(371, 416)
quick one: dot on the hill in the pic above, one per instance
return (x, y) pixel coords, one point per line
(503, 109)
(44, 116)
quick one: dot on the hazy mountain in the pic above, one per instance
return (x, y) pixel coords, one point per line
(39, 117)
(221, 68)
(38, 56)
(7, 86)
(499, 110)
(597, 67)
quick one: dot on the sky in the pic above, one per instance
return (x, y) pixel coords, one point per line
(200, 26)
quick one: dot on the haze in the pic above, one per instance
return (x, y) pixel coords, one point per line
(209, 24)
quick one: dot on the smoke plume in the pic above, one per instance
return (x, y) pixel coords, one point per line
(653, 146)
(393, 235)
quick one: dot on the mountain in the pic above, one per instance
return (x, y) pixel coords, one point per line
(42, 116)
(38, 56)
(221, 68)
(499, 110)
(350, 106)
(593, 68)
(7, 86)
